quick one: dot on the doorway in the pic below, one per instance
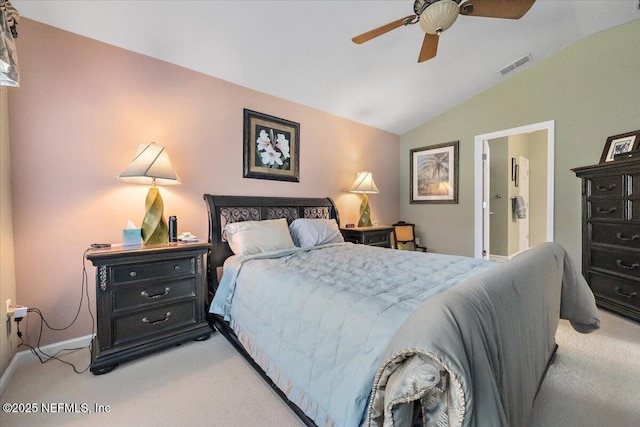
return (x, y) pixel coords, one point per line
(524, 159)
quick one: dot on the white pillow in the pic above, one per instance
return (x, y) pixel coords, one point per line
(253, 237)
(312, 232)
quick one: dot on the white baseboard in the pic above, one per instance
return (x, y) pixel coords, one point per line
(504, 258)
(26, 355)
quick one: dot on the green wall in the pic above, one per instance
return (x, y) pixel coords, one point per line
(591, 89)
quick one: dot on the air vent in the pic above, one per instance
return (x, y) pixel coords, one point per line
(518, 63)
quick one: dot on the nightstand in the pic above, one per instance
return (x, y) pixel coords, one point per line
(373, 236)
(147, 298)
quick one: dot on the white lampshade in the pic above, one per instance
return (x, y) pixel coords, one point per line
(364, 183)
(439, 16)
(151, 165)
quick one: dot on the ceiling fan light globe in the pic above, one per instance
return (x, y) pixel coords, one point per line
(439, 16)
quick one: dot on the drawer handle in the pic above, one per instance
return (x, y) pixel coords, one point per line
(606, 211)
(620, 292)
(628, 239)
(133, 274)
(146, 294)
(602, 188)
(155, 322)
(628, 267)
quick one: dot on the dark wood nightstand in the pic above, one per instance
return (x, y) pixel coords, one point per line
(147, 298)
(373, 236)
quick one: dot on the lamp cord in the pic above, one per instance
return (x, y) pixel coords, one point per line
(37, 351)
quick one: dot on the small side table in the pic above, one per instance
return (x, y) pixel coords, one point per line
(148, 298)
(372, 236)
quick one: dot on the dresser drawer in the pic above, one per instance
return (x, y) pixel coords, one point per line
(154, 321)
(621, 291)
(624, 235)
(605, 209)
(606, 186)
(139, 296)
(143, 271)
(618, 262)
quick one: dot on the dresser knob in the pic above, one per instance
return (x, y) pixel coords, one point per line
(133, 274)
(619, 291)
(603, 188)
(625, 266)
(155, 322)
(606, 211)
(176, 267)
(146, 294)
(621, 236)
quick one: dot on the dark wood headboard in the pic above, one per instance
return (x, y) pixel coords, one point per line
(226, 209)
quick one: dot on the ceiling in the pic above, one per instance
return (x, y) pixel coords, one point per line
(302, 50)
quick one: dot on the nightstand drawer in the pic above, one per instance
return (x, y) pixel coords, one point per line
(373, 236)
(137, 296)
(143, 271)
(145, 323)
(381, 239)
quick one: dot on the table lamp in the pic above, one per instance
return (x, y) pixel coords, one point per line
(151, 165)
(364, 184)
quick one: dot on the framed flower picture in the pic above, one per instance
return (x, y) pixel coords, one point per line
(271, 147)
(434, 173)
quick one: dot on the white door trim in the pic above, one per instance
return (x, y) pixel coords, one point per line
(477, 167)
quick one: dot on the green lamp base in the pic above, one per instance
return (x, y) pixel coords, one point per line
(154, 226)
(365, 212)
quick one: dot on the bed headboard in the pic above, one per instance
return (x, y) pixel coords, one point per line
(225, 209)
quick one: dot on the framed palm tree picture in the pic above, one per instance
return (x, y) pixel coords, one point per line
(434, 173)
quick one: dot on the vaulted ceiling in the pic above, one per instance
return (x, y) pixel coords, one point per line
(302, 50)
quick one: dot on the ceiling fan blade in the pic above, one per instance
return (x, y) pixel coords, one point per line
(365, 37)
(508, 9)
(429, 47)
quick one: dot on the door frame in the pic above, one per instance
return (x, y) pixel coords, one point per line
(479, 223)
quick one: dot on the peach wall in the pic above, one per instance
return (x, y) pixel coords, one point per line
(83, 108)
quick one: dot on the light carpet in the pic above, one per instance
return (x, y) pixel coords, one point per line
(594, 382)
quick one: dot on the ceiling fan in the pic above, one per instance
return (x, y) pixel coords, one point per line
(435, 16)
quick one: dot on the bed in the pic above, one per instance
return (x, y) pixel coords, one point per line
(351, 335)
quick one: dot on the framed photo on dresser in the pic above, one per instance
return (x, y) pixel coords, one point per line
(620, 144)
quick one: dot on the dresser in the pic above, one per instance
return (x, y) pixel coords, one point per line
(611, 234)
(372, 236)
(147, 298)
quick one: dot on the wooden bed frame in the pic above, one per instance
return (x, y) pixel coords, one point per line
(226, 209)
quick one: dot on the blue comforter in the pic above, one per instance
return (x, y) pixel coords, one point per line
(319, 320)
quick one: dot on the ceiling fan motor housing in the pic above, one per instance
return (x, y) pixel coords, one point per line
(439, 16)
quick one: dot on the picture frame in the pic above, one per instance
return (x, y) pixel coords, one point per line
(271, 147)
(434, 173)
(619, 144)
